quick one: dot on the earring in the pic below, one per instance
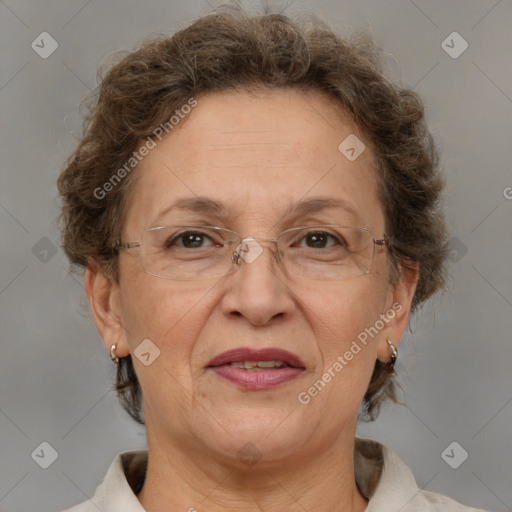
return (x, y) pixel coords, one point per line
(393, 354)
(113, 354)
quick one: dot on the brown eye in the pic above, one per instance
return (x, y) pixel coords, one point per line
(190, 240)
(194, 240)
(319, 240)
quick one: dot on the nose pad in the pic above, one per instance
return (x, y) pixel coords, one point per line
(248, 249)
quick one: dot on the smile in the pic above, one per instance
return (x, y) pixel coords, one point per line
(257, 369)
(260, 365)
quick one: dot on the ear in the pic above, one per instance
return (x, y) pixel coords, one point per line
(398, 309)
(104, 298)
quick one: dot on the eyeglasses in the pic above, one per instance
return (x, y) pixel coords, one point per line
(324, 252)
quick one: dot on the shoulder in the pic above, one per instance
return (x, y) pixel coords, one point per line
(117, 491)
(86, 506)
(389, 484)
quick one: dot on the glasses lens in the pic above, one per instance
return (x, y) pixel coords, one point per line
(327, 252)
(203, 252)
(187, 252)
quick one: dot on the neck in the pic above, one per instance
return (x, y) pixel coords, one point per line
(179, 479)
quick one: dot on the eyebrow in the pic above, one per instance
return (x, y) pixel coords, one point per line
(209, 206)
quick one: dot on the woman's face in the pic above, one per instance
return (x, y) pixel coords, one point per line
(256, 155)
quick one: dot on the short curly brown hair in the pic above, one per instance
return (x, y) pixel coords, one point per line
(232, 50)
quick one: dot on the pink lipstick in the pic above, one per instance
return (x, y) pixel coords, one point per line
(255, 369)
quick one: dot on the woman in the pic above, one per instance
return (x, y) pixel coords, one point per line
(257, 211)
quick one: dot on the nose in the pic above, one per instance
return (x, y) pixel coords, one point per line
(257, 289)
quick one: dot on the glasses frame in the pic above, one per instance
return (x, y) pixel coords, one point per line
(380, 242)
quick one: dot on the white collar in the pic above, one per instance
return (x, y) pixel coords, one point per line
(381, 475)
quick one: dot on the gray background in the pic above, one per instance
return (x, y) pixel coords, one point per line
(55, 374)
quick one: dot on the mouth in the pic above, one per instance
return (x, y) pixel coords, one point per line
(257, 369)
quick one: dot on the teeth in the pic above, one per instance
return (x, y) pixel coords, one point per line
(254, 365)
(270, 364)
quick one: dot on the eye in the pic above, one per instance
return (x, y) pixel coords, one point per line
(320, 240)
(192, 240)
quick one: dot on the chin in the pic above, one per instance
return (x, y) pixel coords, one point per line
(262, 439)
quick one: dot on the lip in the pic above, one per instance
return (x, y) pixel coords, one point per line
(257, 379)
(264, 354)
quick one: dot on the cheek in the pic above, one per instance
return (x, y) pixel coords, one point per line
(347, 350)
(343, 319)
(342, 311)
(170, 314)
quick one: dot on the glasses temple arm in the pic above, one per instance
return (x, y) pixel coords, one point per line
(124, 245)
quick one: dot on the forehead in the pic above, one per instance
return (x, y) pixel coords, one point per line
(256, 155)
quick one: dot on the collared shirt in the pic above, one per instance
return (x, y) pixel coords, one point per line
(382, 477)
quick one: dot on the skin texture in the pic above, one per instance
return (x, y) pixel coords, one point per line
(256, 153)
